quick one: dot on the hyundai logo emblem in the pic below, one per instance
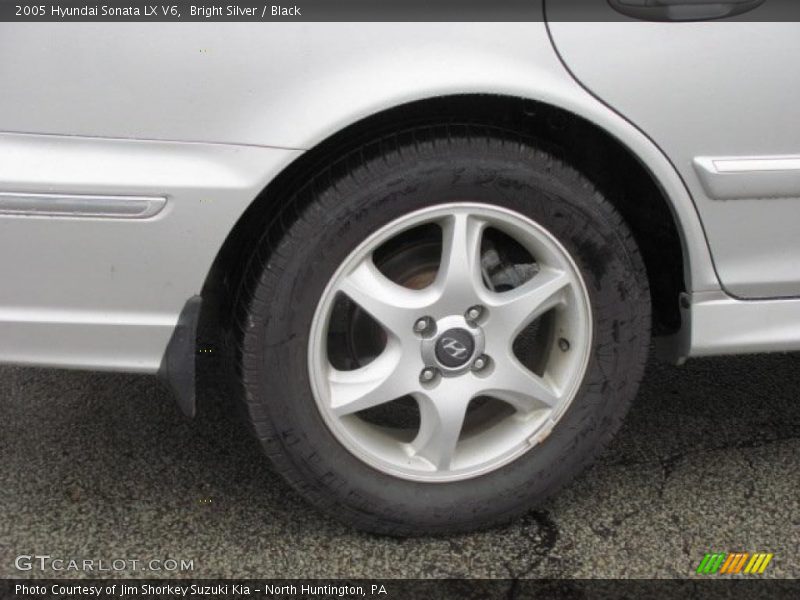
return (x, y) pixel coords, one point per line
(454, 348)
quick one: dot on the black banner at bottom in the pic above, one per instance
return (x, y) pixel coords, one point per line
(342, 589)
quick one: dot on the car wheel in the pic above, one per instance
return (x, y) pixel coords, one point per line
(449, 327)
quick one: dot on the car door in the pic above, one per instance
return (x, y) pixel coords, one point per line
(720, 95)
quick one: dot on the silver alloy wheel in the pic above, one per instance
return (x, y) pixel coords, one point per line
(435, 352)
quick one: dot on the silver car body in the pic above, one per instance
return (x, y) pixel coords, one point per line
(126, 161)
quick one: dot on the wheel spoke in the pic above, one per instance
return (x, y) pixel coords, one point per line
(386, 378)
(441, 421)
(393, 306)
(459, 276)
(512, 311)
(513, 383)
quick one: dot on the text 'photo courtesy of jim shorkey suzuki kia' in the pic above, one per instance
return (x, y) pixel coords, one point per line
(429, 259)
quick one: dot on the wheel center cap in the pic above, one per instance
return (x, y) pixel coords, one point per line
(455, 347)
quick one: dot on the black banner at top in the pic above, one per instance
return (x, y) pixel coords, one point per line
(396, 10)
(261, 10)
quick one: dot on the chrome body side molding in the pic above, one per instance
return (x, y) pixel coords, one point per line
(730, 178)
(80, 205)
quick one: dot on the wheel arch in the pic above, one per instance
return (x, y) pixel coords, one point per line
(666, 228)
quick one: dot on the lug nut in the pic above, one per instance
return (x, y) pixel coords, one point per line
(563, 344)
(480, 363)
(422, 324)
(474, 313)
(427, 374)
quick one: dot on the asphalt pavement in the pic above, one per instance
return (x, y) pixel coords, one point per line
(103, 466)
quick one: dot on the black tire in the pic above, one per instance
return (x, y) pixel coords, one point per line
(335, 212)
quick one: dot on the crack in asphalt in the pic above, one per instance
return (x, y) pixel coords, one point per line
(751, 484)
(538, 528)
(669, 463)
